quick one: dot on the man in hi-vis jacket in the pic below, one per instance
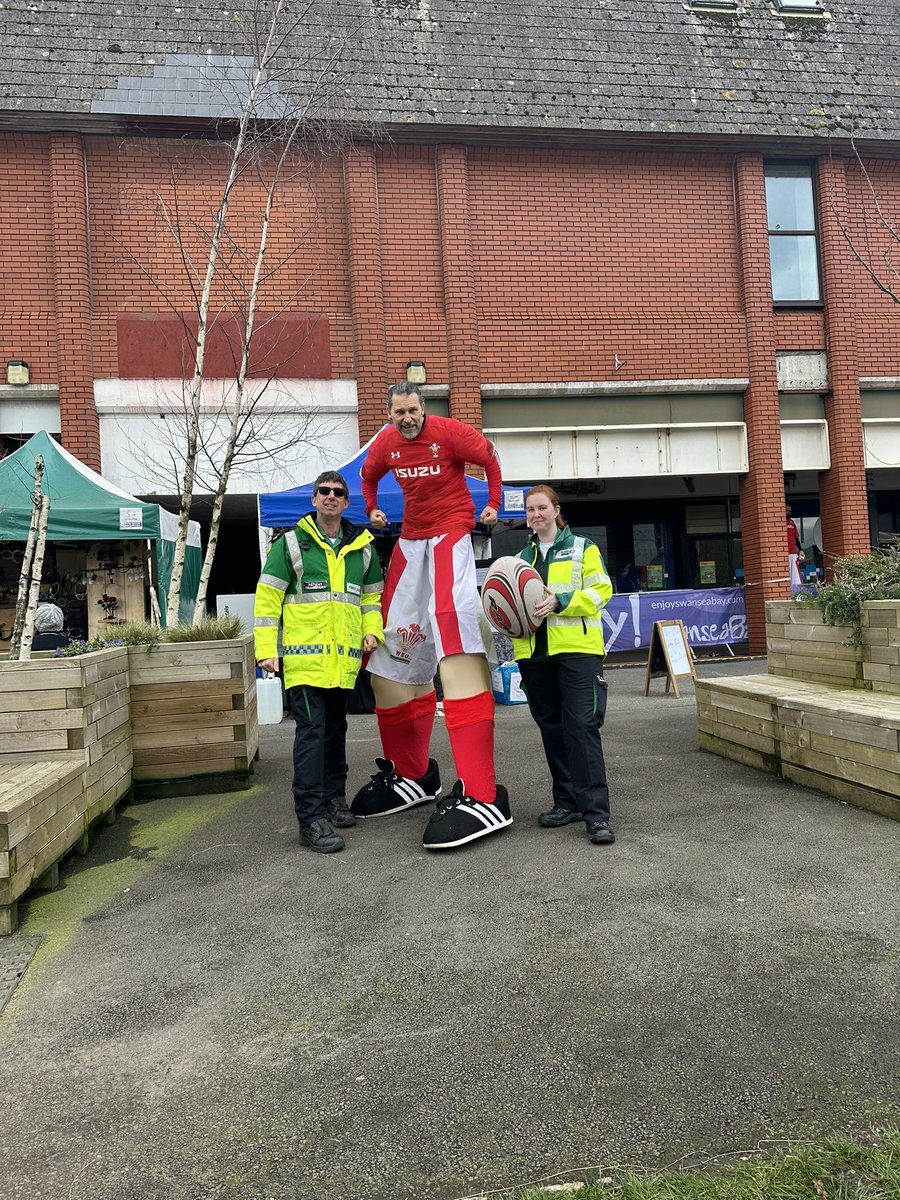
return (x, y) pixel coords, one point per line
(322, 582)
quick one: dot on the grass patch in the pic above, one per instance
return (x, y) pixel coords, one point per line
(868, 1169)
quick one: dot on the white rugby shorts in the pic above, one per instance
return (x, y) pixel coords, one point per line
(431, 608)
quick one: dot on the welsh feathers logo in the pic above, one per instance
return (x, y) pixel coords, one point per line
(435, 449)
(497, 616)
(408, 638)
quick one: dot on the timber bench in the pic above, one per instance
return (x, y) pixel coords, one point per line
(827, 715)
(43, 815)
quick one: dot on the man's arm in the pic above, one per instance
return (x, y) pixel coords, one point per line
(274, 581)
(374, 467)
(472, 446)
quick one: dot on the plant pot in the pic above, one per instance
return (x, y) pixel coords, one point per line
(194, 716)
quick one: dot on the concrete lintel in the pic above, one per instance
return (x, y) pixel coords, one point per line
(627, 387)
(29, 391)
(879, 383)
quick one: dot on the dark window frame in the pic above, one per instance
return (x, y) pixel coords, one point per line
(772, 166)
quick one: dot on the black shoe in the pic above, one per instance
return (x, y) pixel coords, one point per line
(600, 833)
(338, 814)
(389, 792)
(319, 836)
(557, 816)
(460, 819)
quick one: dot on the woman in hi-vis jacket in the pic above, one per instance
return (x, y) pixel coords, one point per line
(562, 666)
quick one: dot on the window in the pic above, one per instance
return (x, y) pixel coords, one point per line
(793, 251)
(804, 6)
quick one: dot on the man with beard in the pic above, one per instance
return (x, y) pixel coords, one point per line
(432, 618)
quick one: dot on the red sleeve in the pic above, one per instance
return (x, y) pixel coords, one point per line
(374, 468)
(473, 447)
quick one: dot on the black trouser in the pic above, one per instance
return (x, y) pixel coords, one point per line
(320, 748)
(567, 697)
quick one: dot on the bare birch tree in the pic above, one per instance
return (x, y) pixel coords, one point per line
(281, 132)
(32, 570)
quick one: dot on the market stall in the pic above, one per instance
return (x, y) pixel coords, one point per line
(104, 547)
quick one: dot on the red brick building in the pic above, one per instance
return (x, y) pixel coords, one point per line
(623, 242)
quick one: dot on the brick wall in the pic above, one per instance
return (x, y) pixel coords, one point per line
(26, 237)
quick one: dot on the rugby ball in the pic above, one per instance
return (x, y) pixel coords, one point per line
(509, 595)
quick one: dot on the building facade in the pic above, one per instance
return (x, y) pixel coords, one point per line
(637, 248)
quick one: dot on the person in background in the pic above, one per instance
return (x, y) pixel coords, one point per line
(562, 666)
(796, 557)
(322, 581)
(48, 628)
(432, 615)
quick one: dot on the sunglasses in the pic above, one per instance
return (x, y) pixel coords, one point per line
(331, 491)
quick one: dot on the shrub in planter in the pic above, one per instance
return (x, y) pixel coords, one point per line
(856, 580)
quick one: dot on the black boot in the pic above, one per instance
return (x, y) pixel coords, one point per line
(319, 836)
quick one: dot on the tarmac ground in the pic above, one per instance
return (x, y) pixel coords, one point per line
(214, 1012)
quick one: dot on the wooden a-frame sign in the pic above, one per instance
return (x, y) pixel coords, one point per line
(670, 655)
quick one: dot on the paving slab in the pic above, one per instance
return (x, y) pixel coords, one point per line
(214, 1012)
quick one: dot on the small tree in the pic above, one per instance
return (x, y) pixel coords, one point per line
(275, 138)
(32, 570)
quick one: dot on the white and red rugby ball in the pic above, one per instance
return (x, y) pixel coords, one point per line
(510, 592)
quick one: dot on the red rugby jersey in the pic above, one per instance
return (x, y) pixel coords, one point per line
(430, 469)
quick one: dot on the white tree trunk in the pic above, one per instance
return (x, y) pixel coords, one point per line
(37, 568)
(15, 643)
(248, 114)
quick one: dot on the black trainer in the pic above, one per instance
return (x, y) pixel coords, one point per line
(460, 819)
(557, 816)
(319, 836)
(600, 833)
(388, 792)
(338, 814)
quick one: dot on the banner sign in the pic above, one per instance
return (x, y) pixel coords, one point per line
(711, 617)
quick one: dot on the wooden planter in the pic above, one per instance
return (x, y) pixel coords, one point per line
(881, 645)
(802, 646)
(193, 710)
(65, 760)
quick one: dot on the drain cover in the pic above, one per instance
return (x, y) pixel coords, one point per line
(15, 955)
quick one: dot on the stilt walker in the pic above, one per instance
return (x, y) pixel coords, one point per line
(433, 620)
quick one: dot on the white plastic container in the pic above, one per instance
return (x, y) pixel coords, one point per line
(269, 703)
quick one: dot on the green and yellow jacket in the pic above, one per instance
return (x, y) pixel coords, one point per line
(573, 570)
(327, 600)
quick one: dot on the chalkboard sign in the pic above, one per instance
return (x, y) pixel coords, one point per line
(670, 655)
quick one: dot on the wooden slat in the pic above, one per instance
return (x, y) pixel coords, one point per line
(31, 701)
(210, 719)
(188, 673)
(145, 692)
(176, 770)
(212, 702)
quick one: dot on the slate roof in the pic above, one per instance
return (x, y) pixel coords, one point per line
(609, 67)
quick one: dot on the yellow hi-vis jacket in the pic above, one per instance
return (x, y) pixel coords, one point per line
(573, 570)
(326, 600)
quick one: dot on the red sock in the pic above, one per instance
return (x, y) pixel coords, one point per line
(405, 736)
(470, 726)
(423, 726)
